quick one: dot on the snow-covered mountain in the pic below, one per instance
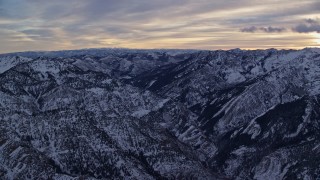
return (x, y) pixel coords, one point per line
(160, 114)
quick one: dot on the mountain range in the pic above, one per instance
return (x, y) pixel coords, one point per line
(160, 114)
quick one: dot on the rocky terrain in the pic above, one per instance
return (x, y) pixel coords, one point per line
(160, 114)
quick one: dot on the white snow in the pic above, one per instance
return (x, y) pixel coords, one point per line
(7, 63)
(256, 70)
(316, 147)
(150, 84)
(235, 77)
(160, 105)
(140, 113)
(43, 66)
(98, 91)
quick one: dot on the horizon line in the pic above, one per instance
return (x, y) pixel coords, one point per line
(155, 49)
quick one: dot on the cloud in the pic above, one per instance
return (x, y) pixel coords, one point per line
(309, 25)
(250, 29)
(38, 34)
(273, 29)
(269, 29)
(311, 21)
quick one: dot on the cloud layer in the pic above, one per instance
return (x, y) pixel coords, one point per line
(196, 24)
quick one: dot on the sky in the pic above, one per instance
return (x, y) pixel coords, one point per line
(27, 25)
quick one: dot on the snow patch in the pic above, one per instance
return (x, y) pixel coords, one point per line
(140, 113)
(235, 77)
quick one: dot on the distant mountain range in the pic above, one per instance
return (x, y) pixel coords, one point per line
(160, 114)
